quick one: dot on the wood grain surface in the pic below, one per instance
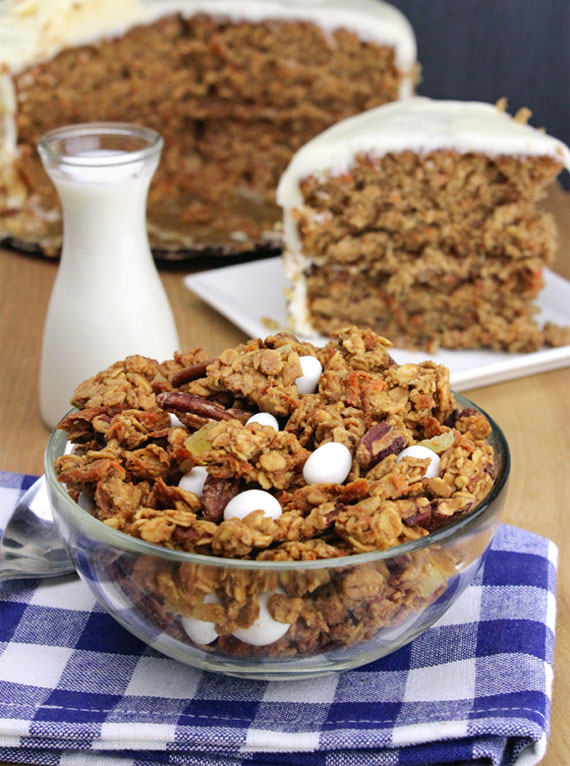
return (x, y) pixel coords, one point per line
(533, 412)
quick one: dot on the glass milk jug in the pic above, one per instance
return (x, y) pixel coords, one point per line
(108, 300)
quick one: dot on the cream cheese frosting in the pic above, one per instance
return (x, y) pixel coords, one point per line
(417, 124)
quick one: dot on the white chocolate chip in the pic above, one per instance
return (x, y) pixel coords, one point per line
(265, 630)
(264, 419)
(330, 463)
(175, 422)
(423, 453)
(308, 382)
(253, 500)
(201, 631)
(193, 481)
(86, 502)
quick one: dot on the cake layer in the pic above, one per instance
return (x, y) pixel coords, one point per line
(469, 315)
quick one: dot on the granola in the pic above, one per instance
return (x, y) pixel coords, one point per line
(141, 428)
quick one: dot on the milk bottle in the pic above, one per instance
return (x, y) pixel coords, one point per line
(108, 300)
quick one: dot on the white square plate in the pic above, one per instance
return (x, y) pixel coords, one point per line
(251, 293)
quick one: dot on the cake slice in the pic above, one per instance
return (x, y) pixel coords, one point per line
(233, 87)
(419, 219)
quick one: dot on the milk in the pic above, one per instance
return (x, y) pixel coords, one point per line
(108, 300)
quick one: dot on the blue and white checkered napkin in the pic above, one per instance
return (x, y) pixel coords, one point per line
(76, 689)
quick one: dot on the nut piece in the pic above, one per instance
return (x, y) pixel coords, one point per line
(216, 494)
(377, 443)
(181, 402)
(192, 372)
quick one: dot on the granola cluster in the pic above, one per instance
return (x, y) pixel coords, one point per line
(140, 427)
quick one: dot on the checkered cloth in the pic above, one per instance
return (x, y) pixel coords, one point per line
(77, 690)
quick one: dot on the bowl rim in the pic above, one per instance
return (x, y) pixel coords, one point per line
(132, 544)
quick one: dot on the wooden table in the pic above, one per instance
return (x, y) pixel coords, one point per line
(533, 412)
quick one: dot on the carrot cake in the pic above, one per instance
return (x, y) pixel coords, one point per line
(419, 219)
(233, 87)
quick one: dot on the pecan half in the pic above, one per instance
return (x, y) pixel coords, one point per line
(216, 494)
(181, 403)
(192, 372)
(443, 510)
(377, 443)
(185, 534)
(421, 518)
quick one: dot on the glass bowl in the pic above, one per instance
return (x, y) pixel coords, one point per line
(356, 609)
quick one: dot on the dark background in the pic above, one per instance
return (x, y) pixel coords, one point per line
(481, 50)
